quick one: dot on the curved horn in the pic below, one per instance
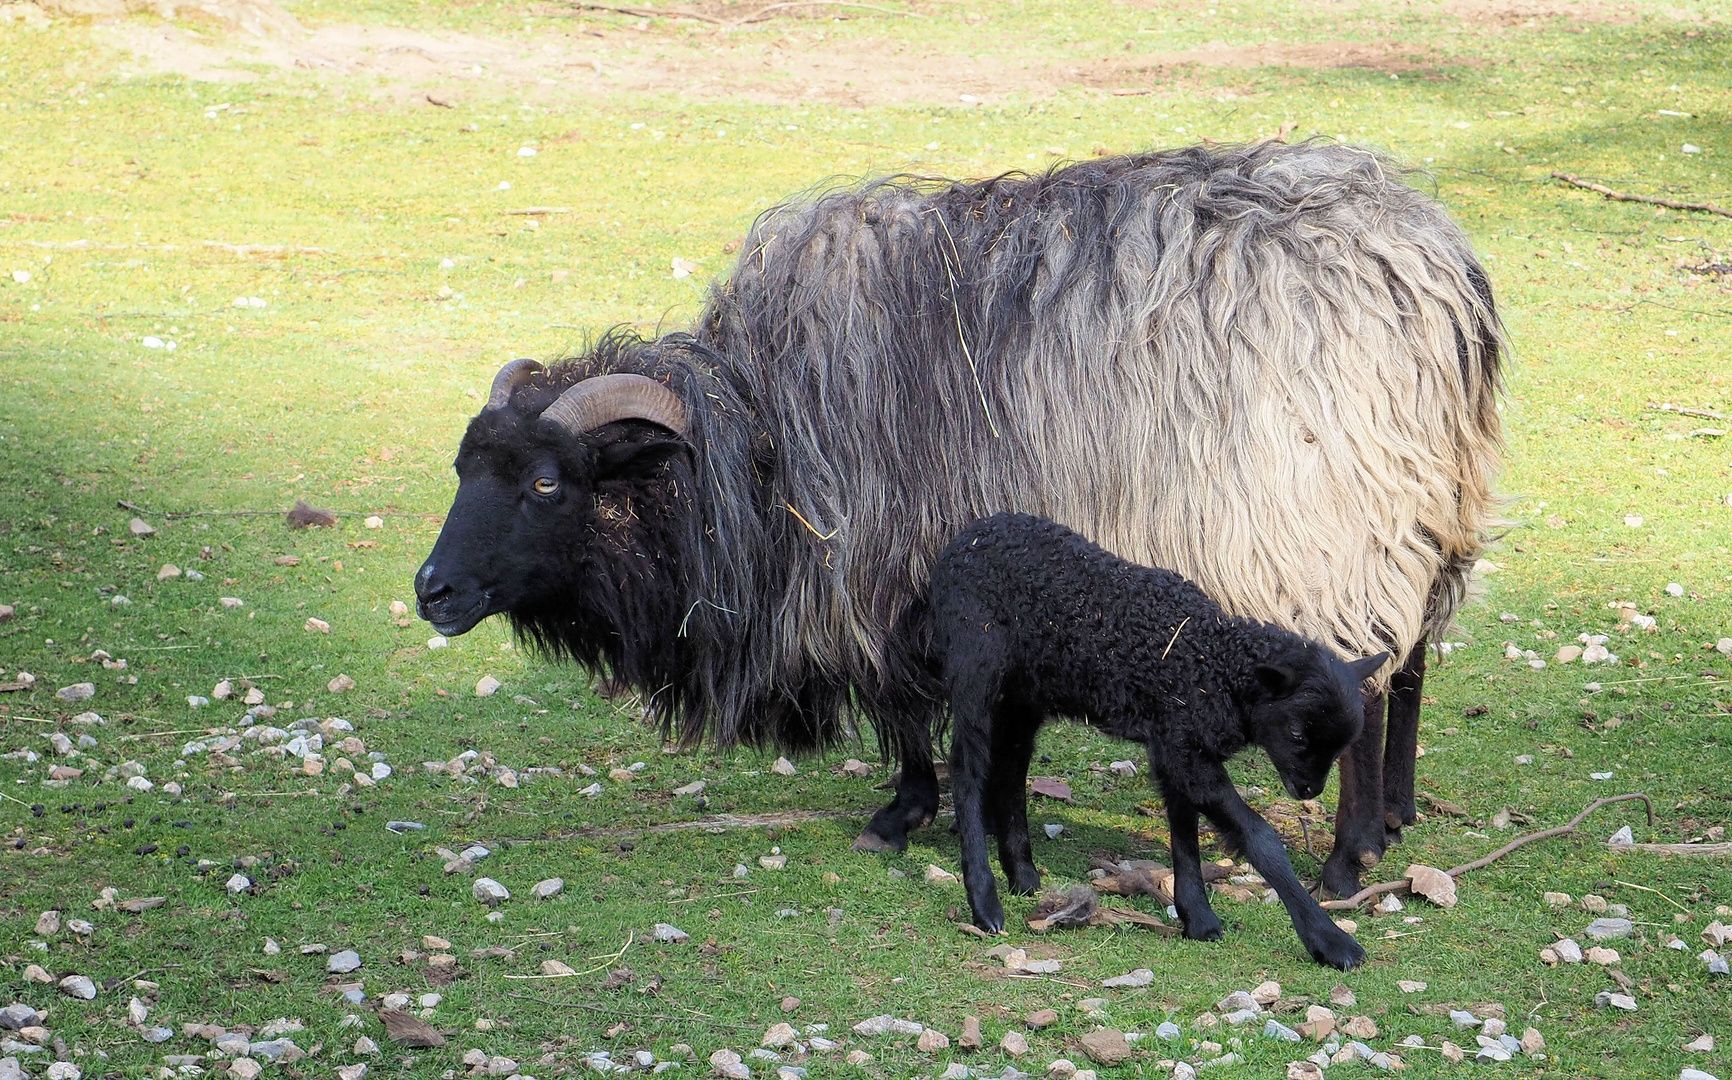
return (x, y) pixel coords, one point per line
(510, 377)
(606, 398)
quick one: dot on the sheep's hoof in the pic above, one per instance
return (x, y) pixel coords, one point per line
(871, 841)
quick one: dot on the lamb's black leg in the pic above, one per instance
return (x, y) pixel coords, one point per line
(1013, 739)
(916, 801)
(1201, 922)
(1359, 838)
(1326, 942)
(1402, 744)
(972, 709)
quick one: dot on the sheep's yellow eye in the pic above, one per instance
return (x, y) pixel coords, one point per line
(546, 486)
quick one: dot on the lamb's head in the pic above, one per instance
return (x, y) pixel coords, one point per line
(539, 472)
(1305, 708)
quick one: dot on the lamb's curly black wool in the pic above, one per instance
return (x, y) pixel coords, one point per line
(1030, 620)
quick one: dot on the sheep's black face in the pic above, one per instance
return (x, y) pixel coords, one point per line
(1307, 712)
(521, 532)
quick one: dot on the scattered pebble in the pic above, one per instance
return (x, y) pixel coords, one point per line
(548, 889)
(1014, 1043)
(666, 932)
(1107, 1046)
(489, 892)
(1274, 1029)
(783, 767)
(1139, 977)
(342, 963)
(78, 986)
(1605, 928)
(487, 686)
(76, 692)
(935, 875)
(887, 1025)
(1409, 986)
(1614, 1000)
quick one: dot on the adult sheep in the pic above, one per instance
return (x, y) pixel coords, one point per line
(1271, 368)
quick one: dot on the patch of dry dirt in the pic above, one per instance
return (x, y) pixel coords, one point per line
(241, 40)
(1157, 69)
(1534, 12)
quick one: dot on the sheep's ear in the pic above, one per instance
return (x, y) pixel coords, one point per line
(632, 460)
(1278, 680)
(1366, 668)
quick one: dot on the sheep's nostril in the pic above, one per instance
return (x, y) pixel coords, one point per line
(427, 587)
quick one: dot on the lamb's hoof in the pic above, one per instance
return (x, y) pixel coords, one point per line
(1205, 932)
(991, 922)
(1337, 950)
(871, 841)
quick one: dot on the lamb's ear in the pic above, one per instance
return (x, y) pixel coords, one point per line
(1366, 668)
(1278, 680)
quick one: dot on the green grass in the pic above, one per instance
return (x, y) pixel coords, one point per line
(351, 386)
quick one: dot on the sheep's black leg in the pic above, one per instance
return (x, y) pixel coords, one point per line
(1013, 738)
(1359, 839)
(1402, 744)
(1201, 922)
(1326, 942)
(916, 801)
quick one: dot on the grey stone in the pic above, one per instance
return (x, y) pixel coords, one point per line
(887, 1025)
(18, 1015)
(1463, 1018)
(10, 1069)
(1240, 1017)
(1237, 1000)
(1613, 1000)
(78, 986)
(283, 1050)
(1273, 1029)
(546, 890)
(156, 1034)
(1139, 977)
(489, 892)
(1167, 1031)
(1568, 951)
(82, 691)
(1492, 1054)
(668, 932)
(343, 962)
(1603, 929)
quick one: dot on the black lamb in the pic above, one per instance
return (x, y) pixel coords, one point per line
(1029, 620)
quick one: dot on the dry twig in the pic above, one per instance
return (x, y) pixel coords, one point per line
(1620, 196)
(1372, 891)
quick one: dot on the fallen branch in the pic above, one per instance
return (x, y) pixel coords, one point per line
(1684, 410)
(1372, 891)
(1620, 196)
(1676, 849)
(646, 13)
